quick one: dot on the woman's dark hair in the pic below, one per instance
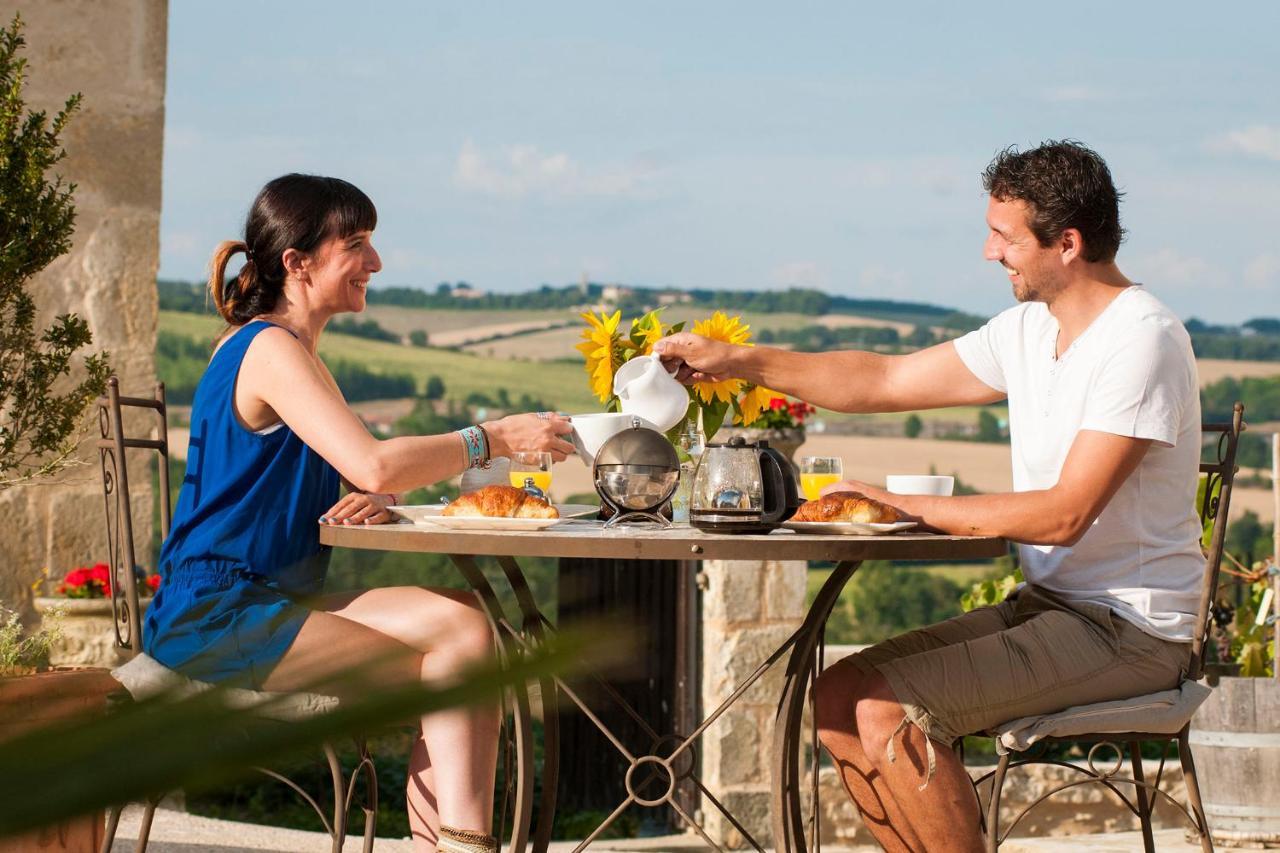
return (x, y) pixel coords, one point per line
(292, 212)
(1067, 186)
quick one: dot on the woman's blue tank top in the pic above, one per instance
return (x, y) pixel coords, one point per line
(244, 544)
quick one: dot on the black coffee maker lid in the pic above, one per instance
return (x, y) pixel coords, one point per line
(740, 441)
(639, 446)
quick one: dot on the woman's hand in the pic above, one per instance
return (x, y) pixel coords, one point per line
(531, 432)
(360, 508)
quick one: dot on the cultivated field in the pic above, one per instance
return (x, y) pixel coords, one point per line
(1213, 369)
(562, 384)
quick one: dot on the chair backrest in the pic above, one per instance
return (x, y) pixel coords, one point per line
(1217, 501)
(115, 489)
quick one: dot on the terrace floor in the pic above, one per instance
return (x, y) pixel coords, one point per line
(179, 832)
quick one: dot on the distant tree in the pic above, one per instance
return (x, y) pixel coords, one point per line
(884, 599)
(435, 388)
(1264, 325)
(912, 426)
(363, 329)
(988, 427)
(1248, 539)
(418, 337)
(920, 336)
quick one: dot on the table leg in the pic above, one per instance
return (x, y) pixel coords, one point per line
(786, 805)
(509, 646)
(535, 626)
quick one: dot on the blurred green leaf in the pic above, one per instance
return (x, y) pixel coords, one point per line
(148, 748)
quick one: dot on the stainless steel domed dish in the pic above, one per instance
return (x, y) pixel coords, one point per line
(636, 472)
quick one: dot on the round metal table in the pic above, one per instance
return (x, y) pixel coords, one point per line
(793, 830)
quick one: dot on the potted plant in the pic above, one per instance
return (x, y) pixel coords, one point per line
(82, 604)
(781, 423)
(26, 654)
(1237, 729)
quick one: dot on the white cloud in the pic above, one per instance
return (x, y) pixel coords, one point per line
(400, 260)
(877, 282)
(517, 171)
(799, 274)
(1168, 268)
(1260, 140)
(1263, 272)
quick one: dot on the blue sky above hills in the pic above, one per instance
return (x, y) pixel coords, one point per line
(737, 145)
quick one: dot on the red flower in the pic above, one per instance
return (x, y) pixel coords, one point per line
(777, 403)
(76, 577)
(153, 582)
(100, 575)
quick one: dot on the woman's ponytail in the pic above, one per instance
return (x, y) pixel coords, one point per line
(229, 297)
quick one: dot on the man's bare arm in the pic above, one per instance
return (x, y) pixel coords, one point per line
(1096, 466)
(842, 381)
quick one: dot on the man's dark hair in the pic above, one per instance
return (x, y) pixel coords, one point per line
(1066, 185)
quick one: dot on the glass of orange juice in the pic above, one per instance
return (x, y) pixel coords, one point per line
(531, 465)
(817, 472)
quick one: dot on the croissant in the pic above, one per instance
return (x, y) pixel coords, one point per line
(847, 506)
(501, 502)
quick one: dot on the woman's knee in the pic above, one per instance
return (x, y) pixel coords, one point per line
(470, 634)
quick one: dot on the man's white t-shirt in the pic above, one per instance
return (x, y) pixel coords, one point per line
(1131, 373)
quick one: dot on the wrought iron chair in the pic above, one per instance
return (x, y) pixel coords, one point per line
(1130, 723)
(112, 450)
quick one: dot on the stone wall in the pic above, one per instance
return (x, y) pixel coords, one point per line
(113, 52)
(749, 608)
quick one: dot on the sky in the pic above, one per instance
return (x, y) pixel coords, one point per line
(743, 145)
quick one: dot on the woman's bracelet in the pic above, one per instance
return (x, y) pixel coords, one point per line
(476, 443)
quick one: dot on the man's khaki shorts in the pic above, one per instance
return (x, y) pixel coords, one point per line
(1033, 653)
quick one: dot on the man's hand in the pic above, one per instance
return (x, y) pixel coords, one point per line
(1095, 468)
(695, 358)
(874, 492)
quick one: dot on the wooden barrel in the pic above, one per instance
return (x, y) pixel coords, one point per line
(1235, 738)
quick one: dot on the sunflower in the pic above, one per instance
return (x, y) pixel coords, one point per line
(600, 348)
(753, 403)
(731, 330)
(647, 331)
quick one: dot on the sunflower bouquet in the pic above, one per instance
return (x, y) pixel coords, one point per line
(606, 347)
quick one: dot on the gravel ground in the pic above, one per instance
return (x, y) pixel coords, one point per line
(179, 832)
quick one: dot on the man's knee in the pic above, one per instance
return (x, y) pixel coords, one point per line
(877, 716)
(835, 696)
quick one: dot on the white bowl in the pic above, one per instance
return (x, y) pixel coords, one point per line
(590, 432)
(920, 484)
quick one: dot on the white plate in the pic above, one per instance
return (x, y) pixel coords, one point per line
(432, 516)
(848, 528)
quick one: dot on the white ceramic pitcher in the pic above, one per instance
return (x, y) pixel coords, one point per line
(647, 390)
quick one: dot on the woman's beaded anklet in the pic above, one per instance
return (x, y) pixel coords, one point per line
(465, 841)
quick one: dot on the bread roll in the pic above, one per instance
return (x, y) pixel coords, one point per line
(847, 506)
(501, 502)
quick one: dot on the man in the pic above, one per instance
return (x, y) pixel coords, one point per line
(1104, 417)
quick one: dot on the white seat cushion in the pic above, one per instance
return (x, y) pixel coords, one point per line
(146, 678)
(1165, 712)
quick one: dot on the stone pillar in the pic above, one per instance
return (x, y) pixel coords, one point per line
(749, 608)
(113, 52)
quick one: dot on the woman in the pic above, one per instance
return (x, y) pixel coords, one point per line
(270, 438)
